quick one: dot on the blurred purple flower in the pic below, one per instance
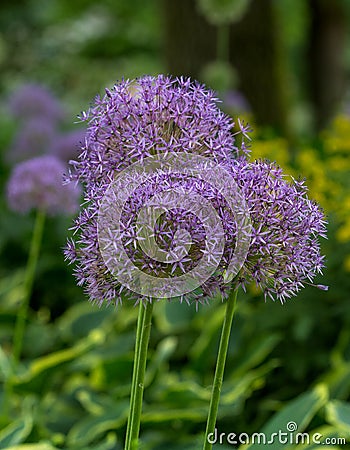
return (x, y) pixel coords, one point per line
(33, 139)
(67, 146)
(236, 101)
(34, 100)
(284, 252)
(37, 184)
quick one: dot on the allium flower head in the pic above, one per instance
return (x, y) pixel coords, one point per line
(135, 121)
(34, 100)
(162, 233)
(149, 116)
(265, 225)
(37, 184)
(33, 139)
(284, 252)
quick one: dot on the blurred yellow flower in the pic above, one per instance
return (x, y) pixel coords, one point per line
(347, 263)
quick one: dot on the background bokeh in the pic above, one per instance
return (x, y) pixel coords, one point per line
(282, 65)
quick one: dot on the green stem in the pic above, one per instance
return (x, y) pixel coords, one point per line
(220, 366)
(23, 310)
(140, 321)
(137, 384)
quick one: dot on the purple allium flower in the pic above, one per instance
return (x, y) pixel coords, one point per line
(67, 146)
(149, 116)
(34, 100)
(236, 101)
(138, 119)
(37, 184)
(33, 139)
(173, 191)
(156, 117)
(284, 252)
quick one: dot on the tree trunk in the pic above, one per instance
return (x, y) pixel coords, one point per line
(189, 41)
(326, 58)
(257, 55)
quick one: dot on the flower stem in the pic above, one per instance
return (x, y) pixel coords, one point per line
(23, 309)
(220, 366)
(140, 321)
(137, 384)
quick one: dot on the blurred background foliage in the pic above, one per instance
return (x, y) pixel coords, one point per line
(284, 66)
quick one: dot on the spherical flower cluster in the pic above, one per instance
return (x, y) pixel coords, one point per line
(158, 116)
(37, 184)
(33, 100)
(284, 252)
(39, 116)
(148, 116)
(172, 189)
(34, 138)
(136, 120)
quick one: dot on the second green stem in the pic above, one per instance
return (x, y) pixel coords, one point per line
(137, 384)
(20, 324)
(220, 367)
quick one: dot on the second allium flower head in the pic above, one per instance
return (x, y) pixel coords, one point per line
(38, 184)
(160, 116)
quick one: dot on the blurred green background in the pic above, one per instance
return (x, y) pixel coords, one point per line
(284, 66)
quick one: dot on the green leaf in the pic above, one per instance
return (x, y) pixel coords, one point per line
(41, 366)
(108, 444)
(201, 348)
(17, 431)
(38, 446)
(338, 414)
(90, 428)
(256, 353)
(338, 381)
(242, 386)
(163, 416)
(162, 354)
(173, 316)
(5, 367)
(11, 290)
(299, 411)
(157, 440)
(95, 404)
(39, 339)
(81, 319)
(57, 413)
(170, 390)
